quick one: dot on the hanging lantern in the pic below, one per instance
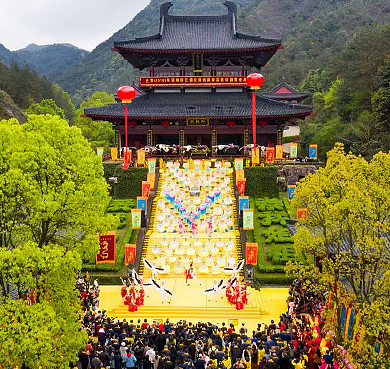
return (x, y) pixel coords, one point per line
(165, 123)
(126, 93)
(132, 123)
(255, 81)
(262, 122)
(231, 123)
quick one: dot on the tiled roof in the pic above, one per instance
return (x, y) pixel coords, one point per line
(193, 33)
(289, 93)
(182, 105)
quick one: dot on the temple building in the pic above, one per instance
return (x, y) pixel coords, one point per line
(194, 91)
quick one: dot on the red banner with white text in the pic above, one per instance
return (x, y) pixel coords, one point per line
(106, 254)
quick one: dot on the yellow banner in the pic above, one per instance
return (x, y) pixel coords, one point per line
(114, 153)
(255, 156)
(240, 175)
(136, 218)
(279, 152)
(151, 178)
(141, 158)
(293, 150)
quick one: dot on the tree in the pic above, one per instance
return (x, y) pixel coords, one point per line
(57, 182)
(346, 227)
(98, 133)
(39, 307)
(46, 106)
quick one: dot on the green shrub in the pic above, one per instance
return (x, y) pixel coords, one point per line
(275, 234)
(261, 182)
(269, 218)
(129, 184)
(267, 204)
(262, 280)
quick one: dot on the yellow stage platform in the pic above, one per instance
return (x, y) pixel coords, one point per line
(191, 304)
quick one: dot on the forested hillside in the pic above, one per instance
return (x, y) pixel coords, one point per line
(313, 32)
(48, 60)
(25, 87)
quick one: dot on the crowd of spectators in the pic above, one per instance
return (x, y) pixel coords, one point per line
(289, 343)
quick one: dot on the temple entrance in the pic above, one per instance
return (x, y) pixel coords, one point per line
(170, 139)
(195, 140)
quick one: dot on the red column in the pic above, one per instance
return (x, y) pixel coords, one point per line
(125, 163)
(254, 117)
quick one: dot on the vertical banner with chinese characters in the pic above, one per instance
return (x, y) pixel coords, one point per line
(239, 163)
(247, 219)
(100, 151)
(141, 158)
(243, 203)
(241, 186)
(255, 156)
(130, 253)
(290, 191)
(142, 203)
(270, 155)
(145, 189)
(302, 214)
(127, 155)
(151, 178)
(251, 253)
(136, 218)
(293, 150)
(114, 153)
(106, 254)
(240, 175)
(152, 165)
(279, 152)
(313, 152)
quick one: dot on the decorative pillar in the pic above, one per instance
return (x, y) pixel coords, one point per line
(149, 138)
(279, 136)
(246, 137)
(214, 142)
(118, 142)
(181, 140)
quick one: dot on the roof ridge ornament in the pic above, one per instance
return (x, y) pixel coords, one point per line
(164, 14)
(232, 10)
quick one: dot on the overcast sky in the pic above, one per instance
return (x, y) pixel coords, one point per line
(83, 23)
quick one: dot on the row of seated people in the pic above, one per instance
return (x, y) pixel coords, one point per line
(191, 251)
(202, 265)
(197, 243)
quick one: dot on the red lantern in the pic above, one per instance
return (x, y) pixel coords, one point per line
(165, 123)
(255, 81)
(126, 93)
(231, 123)
(262, 122)
(132, 123)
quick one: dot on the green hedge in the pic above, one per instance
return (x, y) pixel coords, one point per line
(261, 182)
(129, 184)
(262, 280)
(108, 279)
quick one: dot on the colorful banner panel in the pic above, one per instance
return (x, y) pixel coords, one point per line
(313, 152)
(151, 178)
(142, 203)
(239, 163)
(152, 166)
(270, 155)
(302, 214)
(290, 191)
(114, 153)
(293, 150)
(241, 186)
(251, 253)
(247, 220)
(255, 156)
(130, 253)
(279, 152)
(145, 189)
(106, 254)
(136, 218)
(141, 158)
(100, 151)
(240, 175)
(243, 203)
(127, 156)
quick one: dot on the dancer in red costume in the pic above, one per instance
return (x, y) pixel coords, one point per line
(127, 299)
(132, 305)
(124, 288)
(239, 303)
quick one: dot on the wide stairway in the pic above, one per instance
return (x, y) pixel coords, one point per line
(193, 220)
